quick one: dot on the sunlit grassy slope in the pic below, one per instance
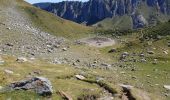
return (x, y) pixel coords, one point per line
(50, 23)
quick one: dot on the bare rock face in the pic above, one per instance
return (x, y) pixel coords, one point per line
(139, 21)
(94, 11)
(40, 85)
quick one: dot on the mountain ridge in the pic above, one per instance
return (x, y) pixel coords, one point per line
(94, 11)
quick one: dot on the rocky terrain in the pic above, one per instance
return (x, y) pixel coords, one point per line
(140, 13)
(40, 61)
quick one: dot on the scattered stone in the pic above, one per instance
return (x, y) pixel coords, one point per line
(64, 49)
(134, 77)
(133, 69)
(165, 52)
(56, 61)
(126, 86)
(50, 50)
(1, 22)
(167, 95)
(21, 59)
(80, 77)
(143, 60)
(112, 50)
(167, 87)
(123, 72)
(148, 76)
(155, 61)
(99, 79)
(150, 52)
(142, 55)
(8, 28)
(40, 85)
(10, 44)
(9, 71)
(65, 96)
(78, 60)
(1, 87)
(106, 65)
(75, 64)
(57, 46)
(95, 62)
(32, 58)
(169, 44)
(1, 62)
(37, 72)
(125, 53)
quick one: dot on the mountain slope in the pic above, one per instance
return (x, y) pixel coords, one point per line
(51, 24)
(141, 12)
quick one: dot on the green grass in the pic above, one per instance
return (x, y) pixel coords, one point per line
(52, 24)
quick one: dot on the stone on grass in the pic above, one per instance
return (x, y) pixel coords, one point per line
(126, 86)
(167, 87)
(40, 85)
(143, 60)
(165, 52)
(21, 59)
(125, 53)
(150, 52)
(1, 87)
(9, 71)
(80, 77)
(106, 65)
(64, 49)
(142, 55)
(1, 62)
(112, 50)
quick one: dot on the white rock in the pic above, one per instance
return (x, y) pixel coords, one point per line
(165, 52)
(9, 71)
(64, 49)
(80, 77)
(21, 59)
(126, 86)
(1, 87)
(1, 62)
(167, 87)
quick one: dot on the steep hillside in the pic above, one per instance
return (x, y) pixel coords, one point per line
(141, 13)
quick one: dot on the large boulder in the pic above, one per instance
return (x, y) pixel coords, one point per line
(40, 85)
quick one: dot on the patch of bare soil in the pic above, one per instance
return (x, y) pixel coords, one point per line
(98, 41)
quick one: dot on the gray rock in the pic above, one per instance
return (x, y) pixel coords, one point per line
(105, 65)
(143, 60)
(112, 50)
(40, 85)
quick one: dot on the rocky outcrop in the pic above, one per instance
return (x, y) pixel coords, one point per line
(40, 85)
(94, 11)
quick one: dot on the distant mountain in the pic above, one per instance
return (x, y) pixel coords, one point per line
(138, 12)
